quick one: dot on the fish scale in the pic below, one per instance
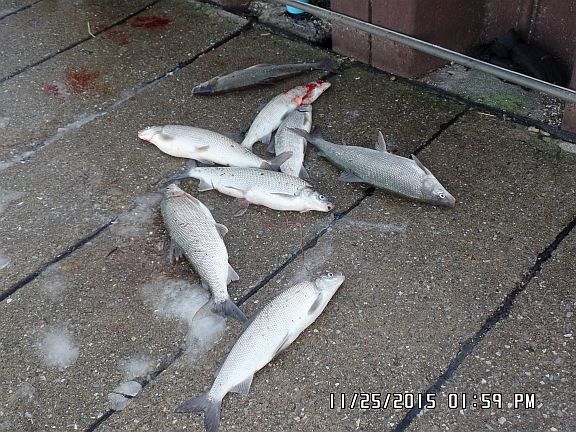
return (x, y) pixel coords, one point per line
(196, 234)
(379, 168)
(271, 331)
(201, 144)
(397, 174)
(275, 190)
(266, 332)
(193, 229)
(253, 179)
(286, 140)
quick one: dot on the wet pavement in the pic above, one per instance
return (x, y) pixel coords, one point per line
(473, 305)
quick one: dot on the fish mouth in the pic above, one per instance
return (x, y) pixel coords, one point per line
(449, 201)
(203, 89)
(148, 133)
(330, 207)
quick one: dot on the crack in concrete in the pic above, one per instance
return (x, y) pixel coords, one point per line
(144, 382)
(500, 314)
(75, 44)
(14, 11)
(441, 129)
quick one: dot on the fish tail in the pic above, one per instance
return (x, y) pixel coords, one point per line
(274, 164)
(228, 308)
(210, 407)
(314, 137)
(326, 65)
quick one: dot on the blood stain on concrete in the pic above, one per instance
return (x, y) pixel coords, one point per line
(56, 89)
(151, 22)
(83, 81)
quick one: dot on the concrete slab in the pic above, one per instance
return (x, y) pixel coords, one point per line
(55, 28)
(82, 328)
(420, 281)
(521, 376)
(86, 80)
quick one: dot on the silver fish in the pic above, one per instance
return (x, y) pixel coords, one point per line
(397, 174)
(205, 146)
(272, 189)
(270, 332)
(285, 140)
(257, 74)
(198, 236)
(270, 117)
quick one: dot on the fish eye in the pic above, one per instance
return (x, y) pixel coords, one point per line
(322, 197)
(441, 195)
(330, 274)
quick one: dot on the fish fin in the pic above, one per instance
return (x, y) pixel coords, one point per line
(204, 186)
(228, 308)
(203, 162)
(205, 285)
(243, 388)
(222, 230)
(210, 407)
(315, 135)
(282, 194)
(272, 145)
(185, 173)
(279, 160)
(304, 108)
(348, 177)
(266, 138)
(175, 252)
(232, 275)
(381, 144)
(300, 132)
(314, 308)
(422, 167)
(303, 173)
(203, 148)
(283, 345)
(243, 203)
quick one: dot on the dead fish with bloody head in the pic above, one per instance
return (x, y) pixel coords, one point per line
(257, 74)
(196, 235)
(206, 146)
(270, 332)
(275, 190)
(397, 174)
(270, 117)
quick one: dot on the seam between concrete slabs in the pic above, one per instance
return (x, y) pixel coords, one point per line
(501, 313)
(14, 12)
(75, 44)
(110, 106)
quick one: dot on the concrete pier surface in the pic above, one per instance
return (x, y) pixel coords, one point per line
(472, 306)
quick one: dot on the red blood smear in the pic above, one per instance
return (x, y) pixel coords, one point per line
(51, 90)
(82, 81)
(151, 22)
(118, 36)
(99, 27)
